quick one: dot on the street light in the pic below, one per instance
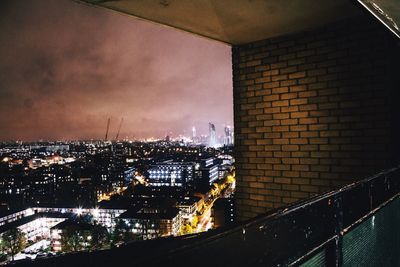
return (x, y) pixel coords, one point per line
(79, 211)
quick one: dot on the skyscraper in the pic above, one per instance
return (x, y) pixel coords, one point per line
(212, 135)
(228, 138)
(193, 134)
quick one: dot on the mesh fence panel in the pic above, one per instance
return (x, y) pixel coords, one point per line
(375, 242)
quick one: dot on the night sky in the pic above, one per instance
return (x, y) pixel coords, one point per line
(66, 67)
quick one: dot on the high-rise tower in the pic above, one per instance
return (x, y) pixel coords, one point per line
(212, 135)
(193, 134)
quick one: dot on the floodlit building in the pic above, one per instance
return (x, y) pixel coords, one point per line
(212, 135)
(208, 170)
(82, 230)
(37, 222)
(228, 138)
(151, 223)
(188, 207)
(171, 173)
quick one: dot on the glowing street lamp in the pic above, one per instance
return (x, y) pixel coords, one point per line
(96, 212)
(79, 211)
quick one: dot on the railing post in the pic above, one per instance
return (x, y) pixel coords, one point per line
(334, 254)
(339, 250)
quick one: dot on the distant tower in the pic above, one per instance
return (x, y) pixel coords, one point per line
(228, 138)
(193, 133)
(212, 135)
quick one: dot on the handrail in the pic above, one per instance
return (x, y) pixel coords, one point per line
(286, 236)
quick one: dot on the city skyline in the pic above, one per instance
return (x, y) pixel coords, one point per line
(66, 68)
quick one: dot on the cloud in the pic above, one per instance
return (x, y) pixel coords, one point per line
(67, 67)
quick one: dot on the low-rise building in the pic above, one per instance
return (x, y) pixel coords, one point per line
(153, 222)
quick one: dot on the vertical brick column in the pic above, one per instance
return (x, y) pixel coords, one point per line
(313, 111)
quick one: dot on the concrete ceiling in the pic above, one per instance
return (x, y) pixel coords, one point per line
(236, 21)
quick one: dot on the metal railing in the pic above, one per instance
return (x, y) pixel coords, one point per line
(314, 232)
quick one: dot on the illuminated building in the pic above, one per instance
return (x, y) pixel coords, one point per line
(129, 175)
(38, 223)
(171, 173)
(228, 138)
(82, 229)
(212, 135)
(188, 207)
(208, 170)
(150, 223)
(194, 134)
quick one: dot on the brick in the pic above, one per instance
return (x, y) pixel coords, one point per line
(310, 107)
(308, 94)
(291, 161)
(288, 70)
(289, 122)
(299, 141)
(300, 181)
(280, 90)
(283, 180)
(298, 88)
(291, 174)
(299, 101)
(297, 75)
(309, 148)
(270, 73)
(281, 116)
(299, 154)
(298, 128)
(280, 128)
(281, 141)
(288, 83)
(290, 148)
(299, 114)
(318, 140)
(281, 103)
(271, 98)
(309, 134)
(270, 85)
(309, 161)
(289, 109)
(300, 168)
(288, 96)
(308, 121)
(279, 77)
(307, 80)
(290, 135)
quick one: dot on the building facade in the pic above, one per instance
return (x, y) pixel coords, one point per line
(171, 173)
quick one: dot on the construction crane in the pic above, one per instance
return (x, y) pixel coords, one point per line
(119, 128)
(108, 127)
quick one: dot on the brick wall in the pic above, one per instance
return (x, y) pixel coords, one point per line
(312, 112)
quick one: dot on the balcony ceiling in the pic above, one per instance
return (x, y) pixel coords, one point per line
(236, 21)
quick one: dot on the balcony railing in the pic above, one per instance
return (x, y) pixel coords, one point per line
(357, 225)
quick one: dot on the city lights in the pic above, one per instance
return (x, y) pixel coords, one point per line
(168, 188)
(95, 212)
(79, 211)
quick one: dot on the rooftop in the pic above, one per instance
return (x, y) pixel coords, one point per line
(143, 214)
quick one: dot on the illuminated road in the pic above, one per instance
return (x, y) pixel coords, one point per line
(223, 189)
